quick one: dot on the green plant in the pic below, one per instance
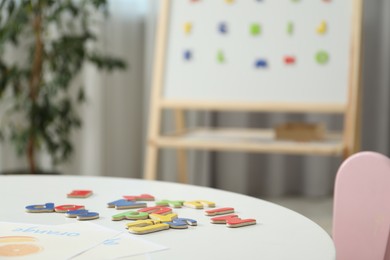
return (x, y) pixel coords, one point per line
(38, 104)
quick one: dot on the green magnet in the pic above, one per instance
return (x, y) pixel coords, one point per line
(322, 57)
(255, 29)
(220, 57)
(290, 28)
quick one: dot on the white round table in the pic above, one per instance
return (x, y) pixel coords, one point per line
(280, 233)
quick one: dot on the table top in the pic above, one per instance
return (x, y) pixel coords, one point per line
(280, 233)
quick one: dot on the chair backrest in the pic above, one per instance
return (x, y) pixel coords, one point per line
(361, 212)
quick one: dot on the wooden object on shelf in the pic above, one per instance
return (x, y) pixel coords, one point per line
(300, 132)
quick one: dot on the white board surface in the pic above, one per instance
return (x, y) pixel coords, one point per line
(203, 77)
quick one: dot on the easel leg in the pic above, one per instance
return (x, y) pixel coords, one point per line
(182, 173)
(150, 172)
(182, 166)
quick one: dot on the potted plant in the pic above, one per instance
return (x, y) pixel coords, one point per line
(37, 102)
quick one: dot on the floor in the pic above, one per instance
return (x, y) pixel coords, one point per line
(317, 209)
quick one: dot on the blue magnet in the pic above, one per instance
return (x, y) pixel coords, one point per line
(222, 28)
(261, 63)
(75, 213)
(47, 207)
(82, 214)
(187, 55)
(181, 223)
(125, 204)
(88, 216)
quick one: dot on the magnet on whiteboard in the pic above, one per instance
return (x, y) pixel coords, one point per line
(187, 55)
(220, 56)
(322, 57)
(187, 27)
(322, 28)
(222, 28)
(289, 60)
(255, 29)
(261, 63)
(229, 1)
(290, 28)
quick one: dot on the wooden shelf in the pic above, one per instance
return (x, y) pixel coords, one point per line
(248, 140)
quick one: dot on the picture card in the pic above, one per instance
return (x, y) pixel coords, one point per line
(31, 241)
(122, 245)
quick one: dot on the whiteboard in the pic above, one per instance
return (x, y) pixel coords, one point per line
(235, 51)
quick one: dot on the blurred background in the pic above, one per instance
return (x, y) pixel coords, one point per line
(111, 141)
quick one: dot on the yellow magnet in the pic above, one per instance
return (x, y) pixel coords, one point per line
(163, 218)
(199, 204)
(322, 28)
(187, 28)
(149, 229)
(146, 226)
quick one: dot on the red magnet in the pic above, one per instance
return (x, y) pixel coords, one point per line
(289, 60)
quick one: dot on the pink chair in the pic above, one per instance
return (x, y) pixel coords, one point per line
(361, 212)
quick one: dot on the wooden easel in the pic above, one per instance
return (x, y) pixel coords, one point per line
(245, 140)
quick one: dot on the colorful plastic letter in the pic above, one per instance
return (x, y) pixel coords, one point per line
(40, 208)
(220, 211)
(132, 215)
(142, 197)
(223, 219)
(67, 207)
(181, 223)
(125, 204)
(142, 223)
(146, 226)
(171, 203)
(162, 210)
(79, 194)
(148, 229)
(82, 214)
(75, 213)
(233, 221)
(88, 216)
(163, 218)
(199, 204)
(237, 222)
